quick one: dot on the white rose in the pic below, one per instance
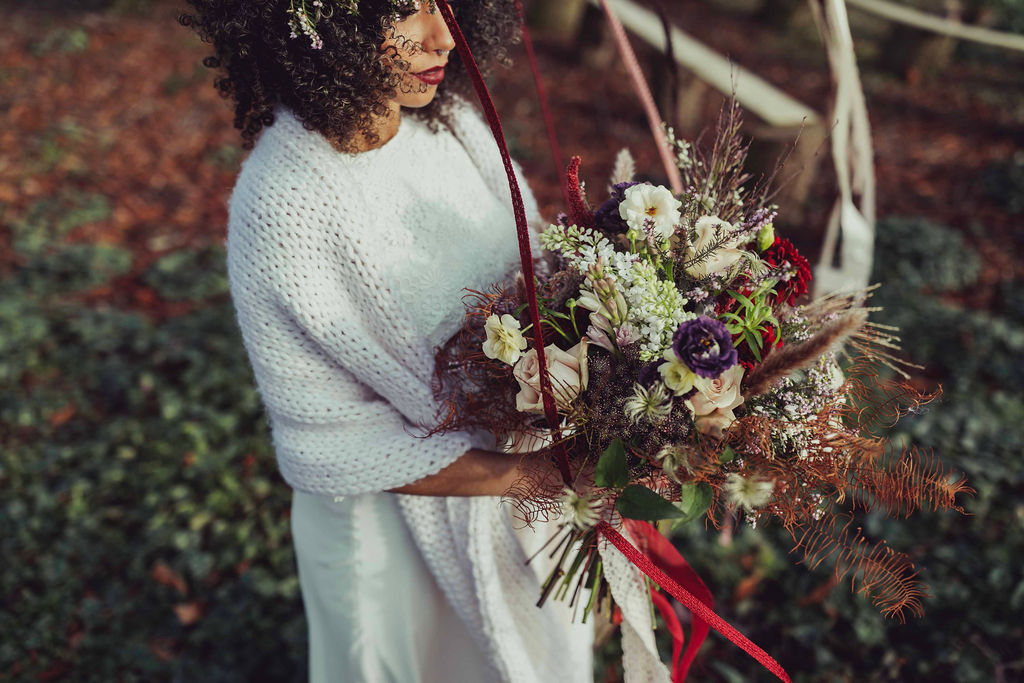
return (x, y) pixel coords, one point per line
(709, 230)
(567, 370)
(712, 406)
(505, 341)
(651, 205)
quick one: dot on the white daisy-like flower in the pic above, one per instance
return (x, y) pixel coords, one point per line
(653, 404)
(505, 341)
(651, 210)
(673, 457)
(583, 512)
(748, 493)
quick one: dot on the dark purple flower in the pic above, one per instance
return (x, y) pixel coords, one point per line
(607, 216)
(649, 373)
(705, 345)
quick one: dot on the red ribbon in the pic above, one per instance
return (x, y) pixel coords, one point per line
(690, 601)
(665, 556)
(671, 560)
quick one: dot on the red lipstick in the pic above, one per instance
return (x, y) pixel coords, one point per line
(431, 76)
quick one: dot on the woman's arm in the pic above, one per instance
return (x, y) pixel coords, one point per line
(476, 473)
(487, 473)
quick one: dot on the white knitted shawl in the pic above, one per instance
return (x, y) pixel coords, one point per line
(345, 380)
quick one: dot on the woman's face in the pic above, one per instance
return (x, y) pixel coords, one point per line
(416, 49)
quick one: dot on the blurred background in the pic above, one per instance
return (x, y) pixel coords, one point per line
(143, 526)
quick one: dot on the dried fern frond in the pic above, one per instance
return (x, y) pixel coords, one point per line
(910, 480)
(875, 405)
(887, 577)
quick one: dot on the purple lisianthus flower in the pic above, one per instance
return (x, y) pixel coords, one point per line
(607, 216)
(705, 346)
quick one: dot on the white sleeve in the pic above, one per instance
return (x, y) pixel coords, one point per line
(347, 414)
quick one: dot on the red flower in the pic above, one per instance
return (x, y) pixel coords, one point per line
(783, 254)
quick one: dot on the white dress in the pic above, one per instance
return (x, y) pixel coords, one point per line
(375, 611)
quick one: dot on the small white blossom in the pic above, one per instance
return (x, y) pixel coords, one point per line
(676, 374)
(748, 493)
(505, 341)
(653, 404)
(673, 458)
(582, 512)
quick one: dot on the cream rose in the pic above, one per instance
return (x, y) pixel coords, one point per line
(709, 230)
(505, 341)
(712, 406)
(568, 372)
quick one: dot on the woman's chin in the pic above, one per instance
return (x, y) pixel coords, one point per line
(417, 100)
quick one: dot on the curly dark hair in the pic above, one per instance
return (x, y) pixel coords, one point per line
(339, 88)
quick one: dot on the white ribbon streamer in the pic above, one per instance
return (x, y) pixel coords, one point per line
(853, 216)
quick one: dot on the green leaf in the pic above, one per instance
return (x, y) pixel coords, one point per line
(640, 502)
(758, 340)
(693, 502)
(747, 303)
(612, 471)
(728, 455)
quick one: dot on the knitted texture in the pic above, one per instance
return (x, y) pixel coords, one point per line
(345, 272)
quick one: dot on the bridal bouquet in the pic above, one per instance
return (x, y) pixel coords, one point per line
(693, 380)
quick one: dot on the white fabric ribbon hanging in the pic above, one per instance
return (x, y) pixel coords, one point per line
(853, 216)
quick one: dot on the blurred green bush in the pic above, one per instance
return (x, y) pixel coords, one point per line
(144, 528)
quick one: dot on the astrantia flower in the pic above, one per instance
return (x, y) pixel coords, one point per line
(582, 512)
(651, 210)
(673, 458)
(653, 404)
(748, 493)
(505, 341)
(705, 346)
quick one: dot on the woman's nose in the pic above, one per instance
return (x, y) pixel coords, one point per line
(439, 37)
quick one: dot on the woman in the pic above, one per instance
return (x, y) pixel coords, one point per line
(373, 195)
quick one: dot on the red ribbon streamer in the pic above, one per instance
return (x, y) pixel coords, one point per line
(665, 556)
(699, 609)
(522, 230)
(690, 601)
(675, 629)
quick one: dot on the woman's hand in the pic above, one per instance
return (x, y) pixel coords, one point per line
(476, 473)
